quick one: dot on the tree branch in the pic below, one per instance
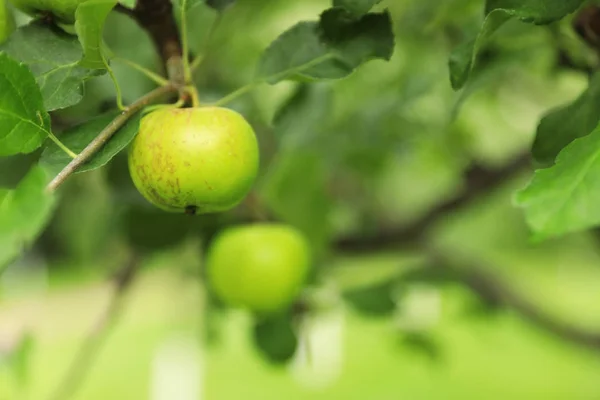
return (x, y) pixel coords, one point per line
(106, 134)
(156, 18)
(491, 288)
(478, 180)
(92, 344)
(482, 282)
(587, 25)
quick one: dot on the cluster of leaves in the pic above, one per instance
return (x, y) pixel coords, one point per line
(44, 69)
(562, 196)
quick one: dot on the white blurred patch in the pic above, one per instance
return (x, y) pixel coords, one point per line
(177, 369)
(319, 358)
(26, 276)
(420, 308)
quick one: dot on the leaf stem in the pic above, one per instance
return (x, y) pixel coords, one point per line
(193, 93)
(107, 133)
(120, 104)
(187, 72)
(61, 145)
(206, 47)
(236, 93)
(275, 77)
(159, 80)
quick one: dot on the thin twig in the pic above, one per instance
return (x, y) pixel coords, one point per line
(106, 134)
(94, 341)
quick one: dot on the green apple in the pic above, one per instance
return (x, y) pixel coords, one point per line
(7, 22)
(63, 10)
(259, 267)
(194, 160)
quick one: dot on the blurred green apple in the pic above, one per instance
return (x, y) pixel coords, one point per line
(260, 267)
(194, 160)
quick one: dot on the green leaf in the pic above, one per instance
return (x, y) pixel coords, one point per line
(564, 198)
(295, 188)
(311, 104)
(560, 127)
(329, 49)
(497, 12)
(7, 21)
(53, 57)
(463, 57)
(24, 123)
(375, 300)
(356, 7)
(76, 139)
(535, 11)
(275, 338)
(219, 5)
(89, 23)
(24, 212)
(423, 344)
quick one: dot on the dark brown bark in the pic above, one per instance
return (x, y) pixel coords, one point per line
(156, 18)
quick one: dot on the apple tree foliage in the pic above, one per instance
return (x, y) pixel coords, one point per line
(61, 88)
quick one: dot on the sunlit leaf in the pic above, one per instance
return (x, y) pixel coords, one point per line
(564, 198)
(560, 127)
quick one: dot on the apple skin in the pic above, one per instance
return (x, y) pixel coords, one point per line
(259, 267)
(63, 10)
(194, 160)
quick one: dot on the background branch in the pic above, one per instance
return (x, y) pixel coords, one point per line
(493, 290)
(478, 180)
(156, 17)
(490, 288)
(92, 344)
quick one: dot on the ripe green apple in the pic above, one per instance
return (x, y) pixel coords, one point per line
(260, 267)
(194, 160)
(63, 10)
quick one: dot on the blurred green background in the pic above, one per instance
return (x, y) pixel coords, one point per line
(351, 157)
